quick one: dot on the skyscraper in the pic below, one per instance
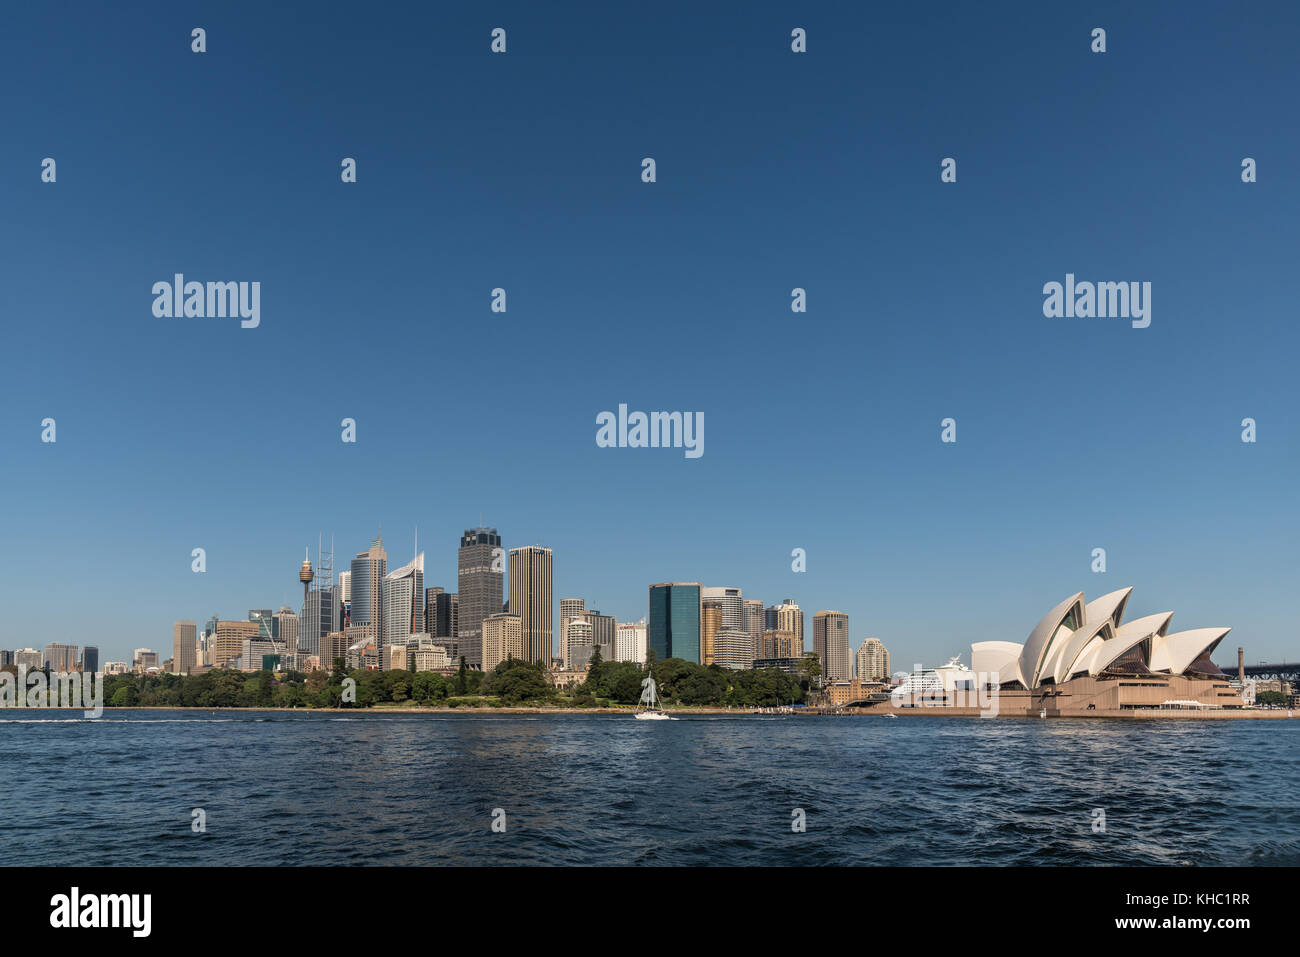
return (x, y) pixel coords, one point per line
(185, 642)
(873, 660)
(90, 659)
(578, 646)
(569, 608)
(674, 620)
(286, 629)
(630, 641)
(754, 617)
(604, 632)
(502, 638)
(403, 606)
(710, 625)
(318, 617)
(228, 641)
(831, 643)
(480, 570)
(366, 586)
(789, 618)
(530, 599)
(61, 658)
(732, 604)
(437, 613)
(733, 649)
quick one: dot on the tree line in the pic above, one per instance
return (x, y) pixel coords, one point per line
(513, 682)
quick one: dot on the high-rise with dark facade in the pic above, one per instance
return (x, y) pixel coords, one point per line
(480, 574)
(90, 659)
(530, 600)
(674, 620)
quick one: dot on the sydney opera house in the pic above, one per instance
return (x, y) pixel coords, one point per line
(1084, 658)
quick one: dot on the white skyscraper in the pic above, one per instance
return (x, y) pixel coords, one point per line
(403, 603)
(630, 642)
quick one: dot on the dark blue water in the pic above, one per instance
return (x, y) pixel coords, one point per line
(590, 789)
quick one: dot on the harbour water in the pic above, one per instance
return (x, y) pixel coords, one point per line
(385, 789)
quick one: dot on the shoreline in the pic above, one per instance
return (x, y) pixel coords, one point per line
(627, 710)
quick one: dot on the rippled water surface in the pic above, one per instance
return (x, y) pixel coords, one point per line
(593, 789)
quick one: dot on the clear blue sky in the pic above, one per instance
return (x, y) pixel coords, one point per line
(775, 170)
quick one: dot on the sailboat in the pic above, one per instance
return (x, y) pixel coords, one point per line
(647, 708)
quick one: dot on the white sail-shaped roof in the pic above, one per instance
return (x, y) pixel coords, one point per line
(1094, 633)
(1053, 627)
(997, 661)
(1128, 636)
(1109, 606)
(1174, 653)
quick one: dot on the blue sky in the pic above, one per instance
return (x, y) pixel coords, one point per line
(775, 170)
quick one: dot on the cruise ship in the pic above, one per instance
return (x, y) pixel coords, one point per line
(934, 684)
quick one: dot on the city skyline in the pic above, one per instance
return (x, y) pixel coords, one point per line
(776, 171)
(805, 618)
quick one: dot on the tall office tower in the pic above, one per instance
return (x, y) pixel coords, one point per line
(6, 657)
(789, 617)
(831, 642)
(228, 641)
(90, 659)
(61, 658)
(674, 620)
(345, 587)
(368, 571)
(569, 608)
(185, 639)
(503, 637)
(530, 599)
(710, 625)
(604, 632)
(769, 618)
(28, 658)
(629, 644)
(318, 617)
(146, 658)
(403, 604)
(873, 660)
(753, 617)
(579, 644)
(731, 603)
(286, 630)
(480, 570)
(733, 649)
(437, 613)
